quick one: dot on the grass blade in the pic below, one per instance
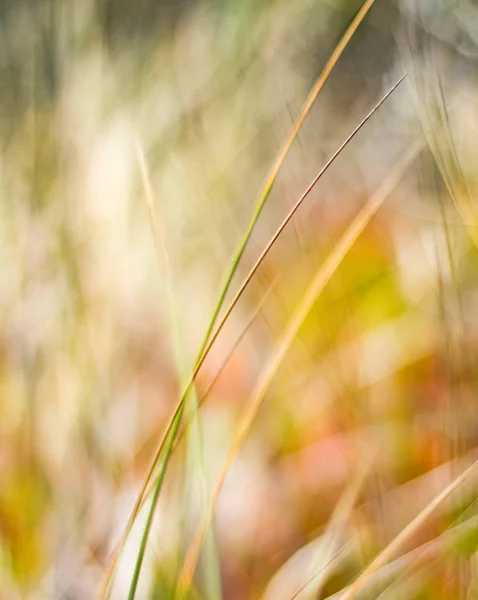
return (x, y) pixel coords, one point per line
(417, 558)
(179, 410)
(173, 425)
(149, 490)
(334, 529)
(322, 277)
(383, 558)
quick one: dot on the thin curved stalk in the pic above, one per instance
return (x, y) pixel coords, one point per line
(398, 542)
(173, 424)
(322, 277)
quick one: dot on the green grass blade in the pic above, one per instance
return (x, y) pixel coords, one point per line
(208, 343)
(320, 280)
(266, 189)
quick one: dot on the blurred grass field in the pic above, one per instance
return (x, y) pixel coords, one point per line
(327, 447)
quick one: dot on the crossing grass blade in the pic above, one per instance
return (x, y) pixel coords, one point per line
(226, 359)
(322, 277)
(397, 543)
(173, 424)
(202, 398)
(270, 244)
(333, 531)
(276, 235)
(416, 558)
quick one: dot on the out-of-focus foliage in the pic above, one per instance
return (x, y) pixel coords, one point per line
(98, 332)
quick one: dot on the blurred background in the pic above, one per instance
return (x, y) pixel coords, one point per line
(120, 120)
